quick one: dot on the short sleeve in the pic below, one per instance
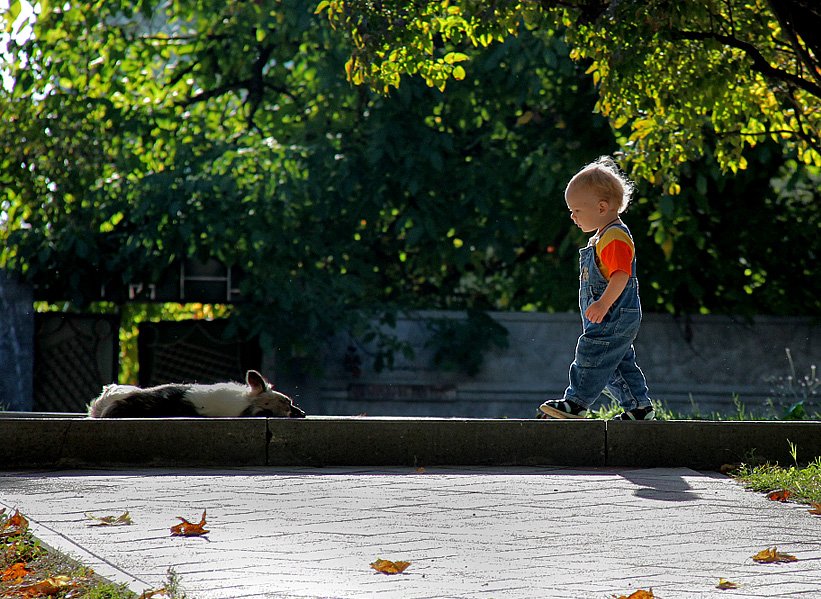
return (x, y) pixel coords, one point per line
(615, 252)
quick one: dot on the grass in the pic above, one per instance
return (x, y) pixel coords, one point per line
(24, 561)
(802, 483)
(796, 411)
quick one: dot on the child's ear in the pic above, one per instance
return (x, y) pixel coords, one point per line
(603, 207)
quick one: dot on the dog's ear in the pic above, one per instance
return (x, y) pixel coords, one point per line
(256, 381)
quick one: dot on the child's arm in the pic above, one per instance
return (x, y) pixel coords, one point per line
(598, 309)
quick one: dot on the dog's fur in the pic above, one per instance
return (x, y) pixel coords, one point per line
(222, 400)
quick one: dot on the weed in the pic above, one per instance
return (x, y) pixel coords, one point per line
(795, 394)
(803, 483)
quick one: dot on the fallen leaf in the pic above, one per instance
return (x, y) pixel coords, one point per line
(15, 573)
(16, 524)
(419, 471)
(187, 529)
(723, 583)
(771, 556)
(49, 586)
(779, 495)
(111, 520)
(816, 508)
(149, 594)
(727, 468)
(387, 567)
(639, 595)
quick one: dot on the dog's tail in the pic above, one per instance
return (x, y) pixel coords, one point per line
(110, 394)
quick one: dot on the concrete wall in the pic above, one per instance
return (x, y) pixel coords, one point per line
(16, 345)
(692, 363)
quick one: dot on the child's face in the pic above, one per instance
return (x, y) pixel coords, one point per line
(587, 211)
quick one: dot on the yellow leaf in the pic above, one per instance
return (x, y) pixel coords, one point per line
(459, 72)
(49, 586)
(816, 508)
(726, 584)
(388, 567)
(771, 556)
(122, 520)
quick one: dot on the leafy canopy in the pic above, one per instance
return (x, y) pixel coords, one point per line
(673, 76)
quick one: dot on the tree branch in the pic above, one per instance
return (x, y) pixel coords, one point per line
(760, 64)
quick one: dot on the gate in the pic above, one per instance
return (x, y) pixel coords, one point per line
(74, 356)
(194, 351)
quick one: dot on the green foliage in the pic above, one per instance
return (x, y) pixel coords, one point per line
(342, 207)
(136, 135)
(682, 75)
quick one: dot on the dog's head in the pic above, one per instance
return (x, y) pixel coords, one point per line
(265, 402)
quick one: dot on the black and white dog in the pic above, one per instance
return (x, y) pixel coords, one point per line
(222, 400)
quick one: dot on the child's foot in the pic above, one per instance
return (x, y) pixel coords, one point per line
(561, 408)
(647, 413)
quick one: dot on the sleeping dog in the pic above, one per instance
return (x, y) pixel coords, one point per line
(222, 400)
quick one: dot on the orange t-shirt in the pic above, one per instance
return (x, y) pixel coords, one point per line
(614, 251)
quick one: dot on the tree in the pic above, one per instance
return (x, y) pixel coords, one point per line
(137, 134)
(133, 137)
(683, 75)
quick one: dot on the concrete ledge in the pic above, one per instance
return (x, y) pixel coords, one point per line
(82, 443)
(53, 442)
(707, 445)
(435, 441)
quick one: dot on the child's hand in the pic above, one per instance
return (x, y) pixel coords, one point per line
(596, 311)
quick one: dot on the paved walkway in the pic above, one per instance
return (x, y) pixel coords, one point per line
(479, 533)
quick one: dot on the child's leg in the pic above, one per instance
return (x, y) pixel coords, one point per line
(628, 384)
(597, 360)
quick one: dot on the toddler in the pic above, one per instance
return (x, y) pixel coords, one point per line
(608, 298)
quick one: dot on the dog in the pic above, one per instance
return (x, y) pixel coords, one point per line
(221, 400)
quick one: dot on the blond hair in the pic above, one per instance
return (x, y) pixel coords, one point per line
(605, 179)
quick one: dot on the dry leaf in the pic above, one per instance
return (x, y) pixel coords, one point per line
(110, 520)
(187, 529)
(49, 586)
(419, 471)
(16, 573)
(723, 583)
(771, 556)
(816, 508)
(149, 594)
(779, 495)
(639, 595)
(15, 525)
(387, 567)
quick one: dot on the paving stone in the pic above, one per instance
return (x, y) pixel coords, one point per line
(469, 533)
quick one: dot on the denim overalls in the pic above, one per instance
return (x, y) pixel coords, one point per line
(605, 359)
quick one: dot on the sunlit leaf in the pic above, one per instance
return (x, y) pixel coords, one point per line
(771, 556)
(15, 525)
(638, 595)
(388, 567)
(781, 495)
(49, 586)
(816, 508)
(16, 573)
(188, 529)
(121, 520)
(723, 583)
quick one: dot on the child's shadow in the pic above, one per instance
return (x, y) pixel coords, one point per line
(660, 485)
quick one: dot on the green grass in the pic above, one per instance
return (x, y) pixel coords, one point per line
(803, 483)
(797, 411)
